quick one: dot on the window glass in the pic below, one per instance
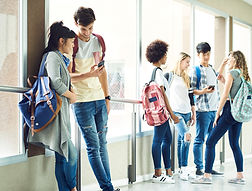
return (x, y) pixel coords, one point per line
(242, 41)
(9, 76)
(204, 32)
(167, 20)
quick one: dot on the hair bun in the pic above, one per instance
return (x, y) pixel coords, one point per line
(56, 27)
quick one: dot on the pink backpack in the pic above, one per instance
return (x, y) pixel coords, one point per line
(155, 111)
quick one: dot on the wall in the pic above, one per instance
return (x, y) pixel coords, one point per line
(236, 8)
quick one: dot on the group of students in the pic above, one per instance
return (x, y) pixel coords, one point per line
(194, 99)
(87, 90)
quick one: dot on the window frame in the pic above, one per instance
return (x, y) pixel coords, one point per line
(22, 64)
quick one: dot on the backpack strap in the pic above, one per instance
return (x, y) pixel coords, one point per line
(153, 76)
(76, 47)
(198, 74)
(169, 77)
(42, 67)
(102, 43)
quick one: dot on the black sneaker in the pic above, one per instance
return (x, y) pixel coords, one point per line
(199, 172)
(215, 173)
(118, 189)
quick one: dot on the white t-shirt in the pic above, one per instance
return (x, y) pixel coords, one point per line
(179, 98)
(212, 97)
(89, 89)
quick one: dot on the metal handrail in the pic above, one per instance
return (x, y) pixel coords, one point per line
(13, 89)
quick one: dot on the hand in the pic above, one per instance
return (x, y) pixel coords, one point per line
(96, 71)
(193, 119)
(224, 62)
(72, 99)
(221, 78)
(207, 90)
(175, 118)
(216, 119)
(108, 105)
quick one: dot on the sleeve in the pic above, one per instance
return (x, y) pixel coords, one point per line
(52, 66)
(193, 79)
(96, 45)
(235, 74)
(159, 79)
(190, 94)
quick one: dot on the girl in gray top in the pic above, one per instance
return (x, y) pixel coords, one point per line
(57, 135)
(224, 122)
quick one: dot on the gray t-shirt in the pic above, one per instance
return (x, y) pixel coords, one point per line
(236, 83)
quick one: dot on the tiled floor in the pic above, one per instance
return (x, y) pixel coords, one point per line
(219, 183)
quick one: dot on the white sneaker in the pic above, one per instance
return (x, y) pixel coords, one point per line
(184, 175)
(163, 179)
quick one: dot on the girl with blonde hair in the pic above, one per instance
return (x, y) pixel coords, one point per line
(182, 104)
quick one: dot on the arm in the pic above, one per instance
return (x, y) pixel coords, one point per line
(224, 96)
(94, 72)
(104, 84)
(193, 117)
(221, 70)
(53, 71)
(203, 91)
(194, 88)
(173, 116)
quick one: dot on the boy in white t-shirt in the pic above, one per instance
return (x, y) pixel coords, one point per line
(92, 106)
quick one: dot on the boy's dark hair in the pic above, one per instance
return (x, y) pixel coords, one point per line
(156, 50)
(84, 16)
(203, 47)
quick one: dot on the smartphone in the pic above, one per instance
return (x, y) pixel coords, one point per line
(101, 63)
(211, 87)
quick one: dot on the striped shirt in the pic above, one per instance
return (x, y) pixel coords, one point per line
(202, 101)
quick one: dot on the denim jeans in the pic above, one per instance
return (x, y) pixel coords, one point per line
(92, 119)
(204, 125)
(65, 170)
(225, 123)
(183, 146)
(162, 139)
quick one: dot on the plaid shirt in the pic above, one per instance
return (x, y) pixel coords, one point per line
(202, 102)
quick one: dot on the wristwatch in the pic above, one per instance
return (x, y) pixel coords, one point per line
(108, 97)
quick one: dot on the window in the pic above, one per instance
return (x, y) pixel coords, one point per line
(118, 27)
(10, 75)
(167, 20)
(204, 31)
(242, 41)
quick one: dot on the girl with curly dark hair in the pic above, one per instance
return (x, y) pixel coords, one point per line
(156, 54)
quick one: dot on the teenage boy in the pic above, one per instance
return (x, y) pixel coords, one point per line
(92, 106)
(204, 82)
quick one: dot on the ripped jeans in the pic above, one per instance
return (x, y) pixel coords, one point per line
(92, 119)
(183, 144)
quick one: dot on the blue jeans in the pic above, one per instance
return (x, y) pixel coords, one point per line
(162, 138)
(225, 123)
(183, 146)
(65, 170)
(204, 125)
(92, 119)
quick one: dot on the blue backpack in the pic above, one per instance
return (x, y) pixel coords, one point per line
(241, 107)
(40, 104)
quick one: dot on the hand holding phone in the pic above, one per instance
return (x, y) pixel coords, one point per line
(101, 63)
(211, 87)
